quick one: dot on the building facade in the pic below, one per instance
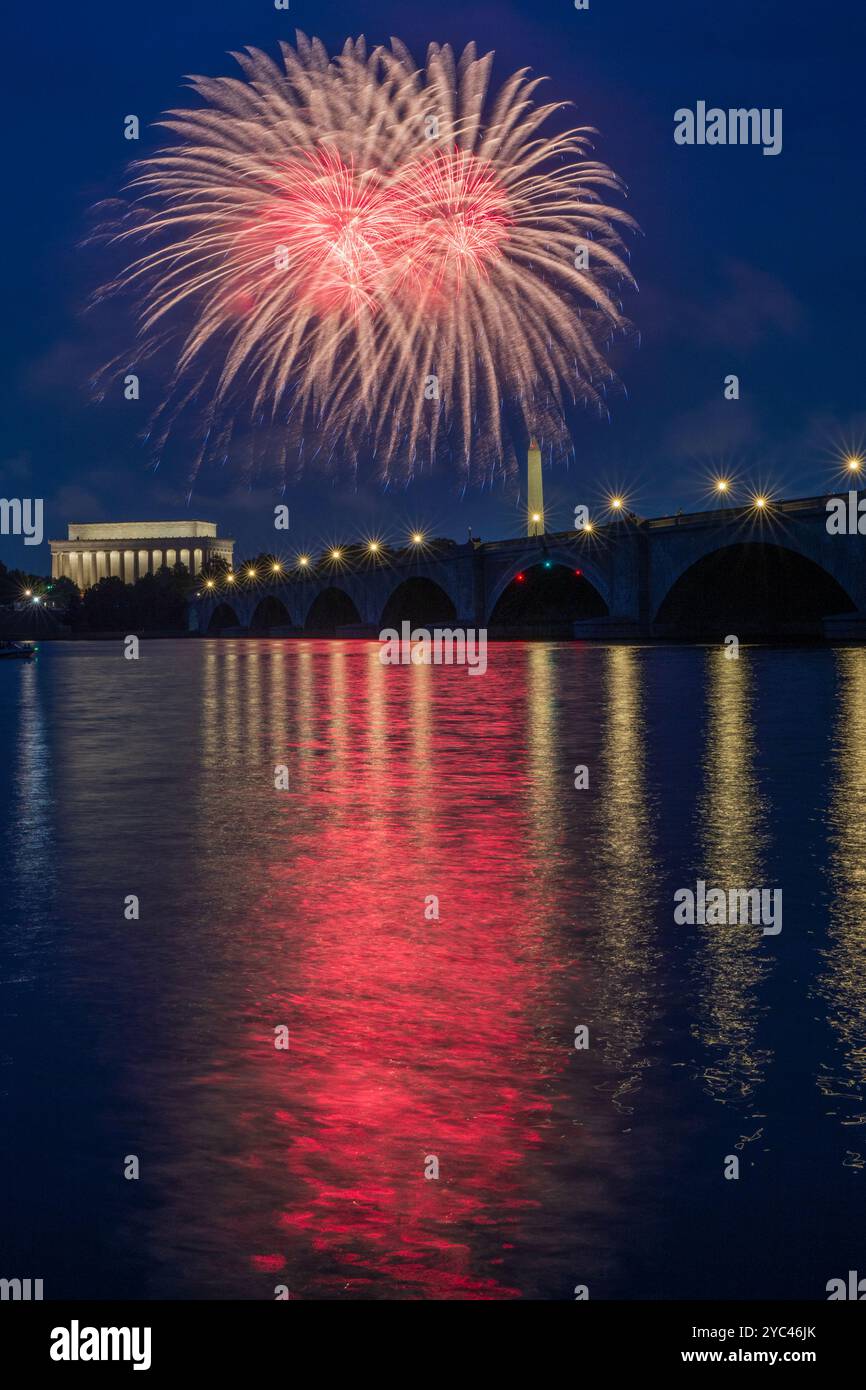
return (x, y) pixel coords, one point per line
(130, 549)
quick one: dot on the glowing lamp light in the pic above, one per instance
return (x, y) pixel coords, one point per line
(303, 560)
(374, 547)
(230, 579)
(547, 564)
(35, 598)
(536, 516)
(417, 538)
(276, 567)
(760, 503)
(336, 554)
(208, 583)
(854, 464)
(616, 504)
(28, 593)
(587, 526)
(578, 573)
(722, 485)
(251, 574)
(520, 578)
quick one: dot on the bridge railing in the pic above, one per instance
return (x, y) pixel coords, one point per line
(724, 514)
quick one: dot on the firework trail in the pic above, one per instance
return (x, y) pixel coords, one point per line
(375, 254)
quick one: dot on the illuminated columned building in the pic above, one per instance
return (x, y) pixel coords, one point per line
(130, 549)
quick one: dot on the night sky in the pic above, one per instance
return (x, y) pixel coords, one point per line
(746, 263)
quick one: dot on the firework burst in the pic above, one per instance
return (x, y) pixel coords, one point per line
(381, 257)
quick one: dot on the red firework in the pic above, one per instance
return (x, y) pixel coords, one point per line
(348, 239)
(454, 217)
(375, 253)
(329, 228)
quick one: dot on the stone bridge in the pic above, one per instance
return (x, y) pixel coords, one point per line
(637, 577)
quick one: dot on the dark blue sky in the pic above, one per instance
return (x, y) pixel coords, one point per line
(747, 264)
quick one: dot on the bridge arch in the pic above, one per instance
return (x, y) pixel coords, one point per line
(420, 600)
(270, 610)
(222, 616)
(558, 556)
(759, 585)
(332, 607)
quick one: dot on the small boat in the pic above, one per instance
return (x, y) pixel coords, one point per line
(19, 649)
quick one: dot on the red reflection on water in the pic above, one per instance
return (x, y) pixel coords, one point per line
(410, 1038)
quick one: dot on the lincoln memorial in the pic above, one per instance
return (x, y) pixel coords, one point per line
(130, 549)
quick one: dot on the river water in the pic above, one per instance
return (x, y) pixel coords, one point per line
(416, 1040)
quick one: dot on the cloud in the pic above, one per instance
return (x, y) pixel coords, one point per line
(16, 469)
(714, 428)
(752, 308)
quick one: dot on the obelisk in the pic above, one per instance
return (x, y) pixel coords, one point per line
(534, 491)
